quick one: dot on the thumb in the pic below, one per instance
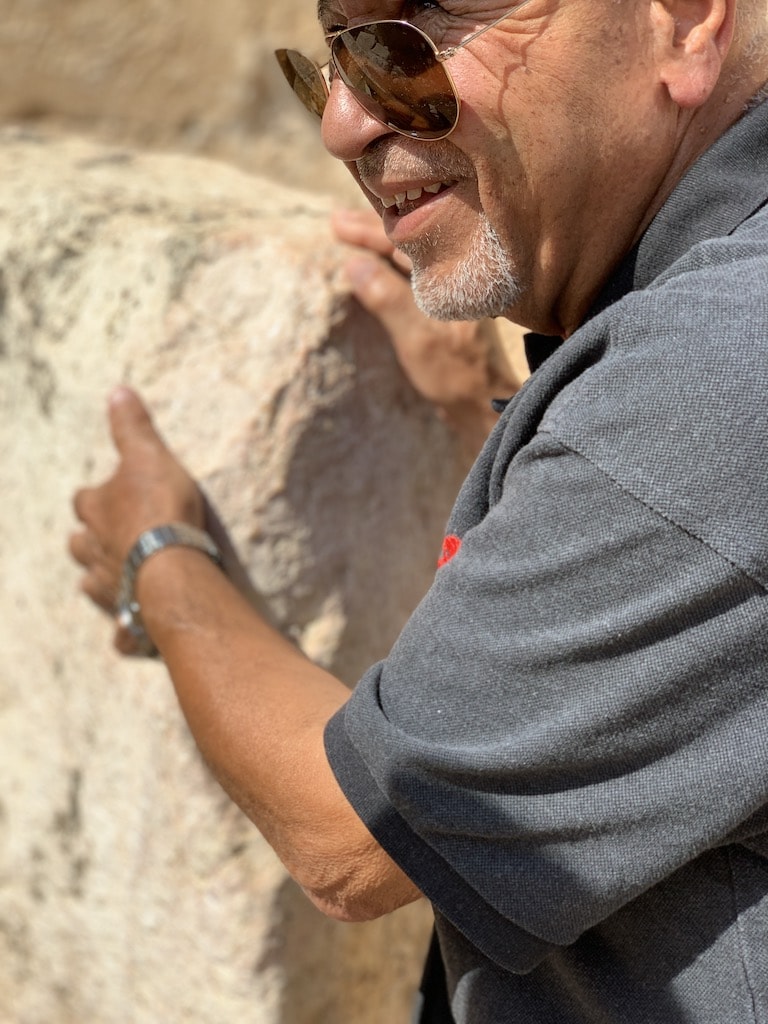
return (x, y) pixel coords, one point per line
(129, 420)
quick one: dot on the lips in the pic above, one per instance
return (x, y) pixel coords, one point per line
(401, 174)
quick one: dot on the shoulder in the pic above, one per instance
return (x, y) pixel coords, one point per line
(673, 406)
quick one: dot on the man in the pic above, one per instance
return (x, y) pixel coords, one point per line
(566, 749)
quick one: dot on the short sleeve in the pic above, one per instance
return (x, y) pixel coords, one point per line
(574, 711)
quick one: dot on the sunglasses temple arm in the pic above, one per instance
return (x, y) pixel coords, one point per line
(443, 55)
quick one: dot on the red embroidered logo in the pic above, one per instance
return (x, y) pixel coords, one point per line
(451, 545)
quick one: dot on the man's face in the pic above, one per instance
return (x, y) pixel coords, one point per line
(563, 141)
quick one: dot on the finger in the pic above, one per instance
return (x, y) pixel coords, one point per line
(129, 420)
(85, 548)
(81, 501)
(401, 262)
(362, 228)
(85, 504)
(101, 588)
(385, 294)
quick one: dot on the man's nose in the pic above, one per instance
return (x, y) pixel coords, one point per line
(347, 129)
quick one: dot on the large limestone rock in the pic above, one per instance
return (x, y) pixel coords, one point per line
(131, 890)
(179, 74)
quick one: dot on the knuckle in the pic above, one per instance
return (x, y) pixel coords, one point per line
(76, 547)
(80, 502)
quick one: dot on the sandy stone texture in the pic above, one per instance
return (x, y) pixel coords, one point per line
(185, 75)
(131, 890)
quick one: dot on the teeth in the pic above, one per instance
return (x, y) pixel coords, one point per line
(411, 195)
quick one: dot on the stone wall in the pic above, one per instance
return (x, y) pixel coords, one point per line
(131, 890)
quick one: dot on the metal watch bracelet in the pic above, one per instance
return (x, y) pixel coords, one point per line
(127, 610)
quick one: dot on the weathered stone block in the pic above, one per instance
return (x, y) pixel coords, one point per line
(131, 890)
(186, 75)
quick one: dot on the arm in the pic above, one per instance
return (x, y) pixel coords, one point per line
(459, 367)
(544, 739)
(256, 706)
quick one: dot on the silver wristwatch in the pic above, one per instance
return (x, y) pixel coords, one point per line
(127, 611)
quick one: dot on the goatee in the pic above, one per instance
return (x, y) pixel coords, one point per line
(481, 283)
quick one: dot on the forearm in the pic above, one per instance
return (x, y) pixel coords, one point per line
(257, 709)
(255, 705)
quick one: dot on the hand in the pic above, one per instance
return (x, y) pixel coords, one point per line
(149, 487)
(458, 366)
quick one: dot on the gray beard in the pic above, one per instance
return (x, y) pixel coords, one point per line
(483, 283)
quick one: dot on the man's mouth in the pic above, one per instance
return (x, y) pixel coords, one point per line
(407, 200)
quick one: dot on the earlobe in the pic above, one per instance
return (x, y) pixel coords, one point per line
(691, 40)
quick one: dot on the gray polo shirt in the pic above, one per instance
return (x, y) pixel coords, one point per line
(567, 748)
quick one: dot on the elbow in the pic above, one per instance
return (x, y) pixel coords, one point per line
(347, 911)
(360, 908)
(364, 892)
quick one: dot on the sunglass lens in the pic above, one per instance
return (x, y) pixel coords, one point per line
(305, 78)
(392, 70)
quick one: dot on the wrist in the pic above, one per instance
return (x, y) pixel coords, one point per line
(149, 544)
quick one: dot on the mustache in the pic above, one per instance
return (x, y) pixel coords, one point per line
(401, 158)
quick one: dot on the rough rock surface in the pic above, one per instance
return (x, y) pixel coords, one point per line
(131, 890)
(179, 74)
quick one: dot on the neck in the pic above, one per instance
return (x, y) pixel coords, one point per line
(736, 91)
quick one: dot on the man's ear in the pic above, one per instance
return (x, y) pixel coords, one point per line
(691, 40)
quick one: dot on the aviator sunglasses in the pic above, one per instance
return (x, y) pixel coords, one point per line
(393, 70)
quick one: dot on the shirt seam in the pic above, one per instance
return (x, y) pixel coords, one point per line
(655, 511)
